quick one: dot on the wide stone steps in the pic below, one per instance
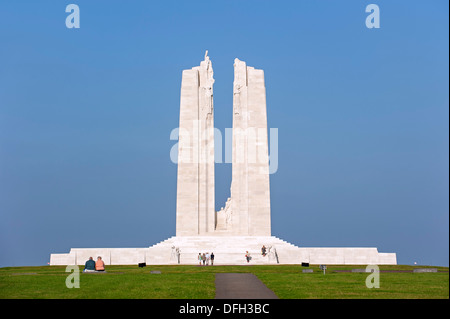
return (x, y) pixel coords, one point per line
(228, 250)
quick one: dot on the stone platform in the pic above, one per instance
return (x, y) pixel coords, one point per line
(228, 250)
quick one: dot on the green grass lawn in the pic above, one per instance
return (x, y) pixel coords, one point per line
(197, 282)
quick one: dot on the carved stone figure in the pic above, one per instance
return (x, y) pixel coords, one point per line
(208, 99)
(178, 253)
(228, 214)
(224, 216)
(208, 88)
(272, 254)
(237, 98)
(173, 254)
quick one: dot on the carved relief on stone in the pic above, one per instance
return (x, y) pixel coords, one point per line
(175, 255)
(237, 98)
(228, 214)
(208, 86)
(272, 254)
(225, 217)
(237, 88)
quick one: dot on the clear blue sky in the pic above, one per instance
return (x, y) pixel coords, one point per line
(362, 116)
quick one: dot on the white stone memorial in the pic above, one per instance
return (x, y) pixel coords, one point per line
(243, 224)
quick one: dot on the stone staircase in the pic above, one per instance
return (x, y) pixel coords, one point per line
(228, 250)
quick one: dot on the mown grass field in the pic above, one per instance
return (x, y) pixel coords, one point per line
(197, 282)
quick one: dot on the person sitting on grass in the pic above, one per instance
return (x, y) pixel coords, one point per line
(99, 265)
(89, 266)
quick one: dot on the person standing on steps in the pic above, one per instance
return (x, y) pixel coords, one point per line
(247, 256)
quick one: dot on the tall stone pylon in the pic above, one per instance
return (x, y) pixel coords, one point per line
(195, 212)
(250, 187)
